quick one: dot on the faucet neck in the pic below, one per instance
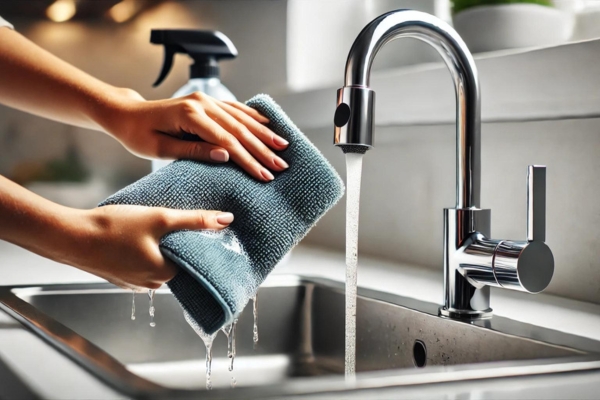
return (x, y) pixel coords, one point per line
(458, 59)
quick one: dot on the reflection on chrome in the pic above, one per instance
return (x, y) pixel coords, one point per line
(472, 261)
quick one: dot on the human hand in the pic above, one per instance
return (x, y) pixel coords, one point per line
(229, 130)
(35, 81)
(120, 242)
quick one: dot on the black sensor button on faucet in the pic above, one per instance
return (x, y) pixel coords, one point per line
(342, 115)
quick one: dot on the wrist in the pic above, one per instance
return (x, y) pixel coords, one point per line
(49, 230)
(82, 234)
(110, 111)
(64, 235)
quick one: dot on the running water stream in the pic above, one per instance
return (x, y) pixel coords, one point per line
(353, 176)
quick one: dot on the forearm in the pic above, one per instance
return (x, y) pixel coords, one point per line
(37, 224)
(35, 81)
(118, 243)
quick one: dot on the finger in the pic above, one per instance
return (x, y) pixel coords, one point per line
(214, 133)
(174, 220)
(266, 135)
(170, 148)
(257, 148)
(249, 111)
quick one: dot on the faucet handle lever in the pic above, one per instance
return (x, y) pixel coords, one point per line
(536, 203)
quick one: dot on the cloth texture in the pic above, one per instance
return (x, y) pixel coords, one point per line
(221, 271)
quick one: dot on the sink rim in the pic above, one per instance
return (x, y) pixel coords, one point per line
(112, 372)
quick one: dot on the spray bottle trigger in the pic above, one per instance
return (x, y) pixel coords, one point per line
(167, 64)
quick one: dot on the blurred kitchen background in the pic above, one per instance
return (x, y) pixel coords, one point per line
(283, 45)
(539, 98)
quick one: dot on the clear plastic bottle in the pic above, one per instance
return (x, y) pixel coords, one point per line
(211, 86)
(206, 48)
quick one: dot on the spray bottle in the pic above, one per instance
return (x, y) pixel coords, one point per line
(206, 48)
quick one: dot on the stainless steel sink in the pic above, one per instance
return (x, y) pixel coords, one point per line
(301, 348)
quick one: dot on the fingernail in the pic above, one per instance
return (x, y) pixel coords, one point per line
(225, 218)
(280, 163)
(220, 155)
(267, 174)
(279, 141)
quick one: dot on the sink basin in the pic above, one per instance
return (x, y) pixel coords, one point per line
(301, 340)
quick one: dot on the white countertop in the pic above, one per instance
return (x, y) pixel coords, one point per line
(21, 267)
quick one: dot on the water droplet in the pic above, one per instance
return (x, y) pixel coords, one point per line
(133, 305)
(255, 313)
(151, 309)
(208, 341)
(229, 331)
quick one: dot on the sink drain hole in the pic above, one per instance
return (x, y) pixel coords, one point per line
(419, 354)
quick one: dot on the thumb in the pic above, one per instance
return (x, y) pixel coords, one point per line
(195, 220)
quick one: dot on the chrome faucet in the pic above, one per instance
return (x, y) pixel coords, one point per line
(472, 261)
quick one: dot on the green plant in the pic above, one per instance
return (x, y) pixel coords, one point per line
(460, 5)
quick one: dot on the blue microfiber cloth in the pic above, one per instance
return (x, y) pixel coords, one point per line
(221, 271)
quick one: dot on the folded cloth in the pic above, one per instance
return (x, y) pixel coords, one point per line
(221, 271)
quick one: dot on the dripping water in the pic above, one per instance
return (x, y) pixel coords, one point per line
(151, 308)
(229, 331)
(208, 341)
(255, 313)
(354, 171)
(133, 305)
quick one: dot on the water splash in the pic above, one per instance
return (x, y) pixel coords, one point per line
(255, 313)
(208, 341)
(133, 305)
(353, 173)
(151, 308)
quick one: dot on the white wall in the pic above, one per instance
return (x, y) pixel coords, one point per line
(321, 32)
(409, 177)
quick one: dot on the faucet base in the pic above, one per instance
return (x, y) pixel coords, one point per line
(465, 315)
(464, 298)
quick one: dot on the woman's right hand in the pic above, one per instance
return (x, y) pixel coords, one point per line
(120, 242)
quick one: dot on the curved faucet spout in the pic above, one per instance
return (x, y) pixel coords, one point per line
(354, 114)
(472, 261)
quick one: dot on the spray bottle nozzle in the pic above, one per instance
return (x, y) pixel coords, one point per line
(206, 48)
